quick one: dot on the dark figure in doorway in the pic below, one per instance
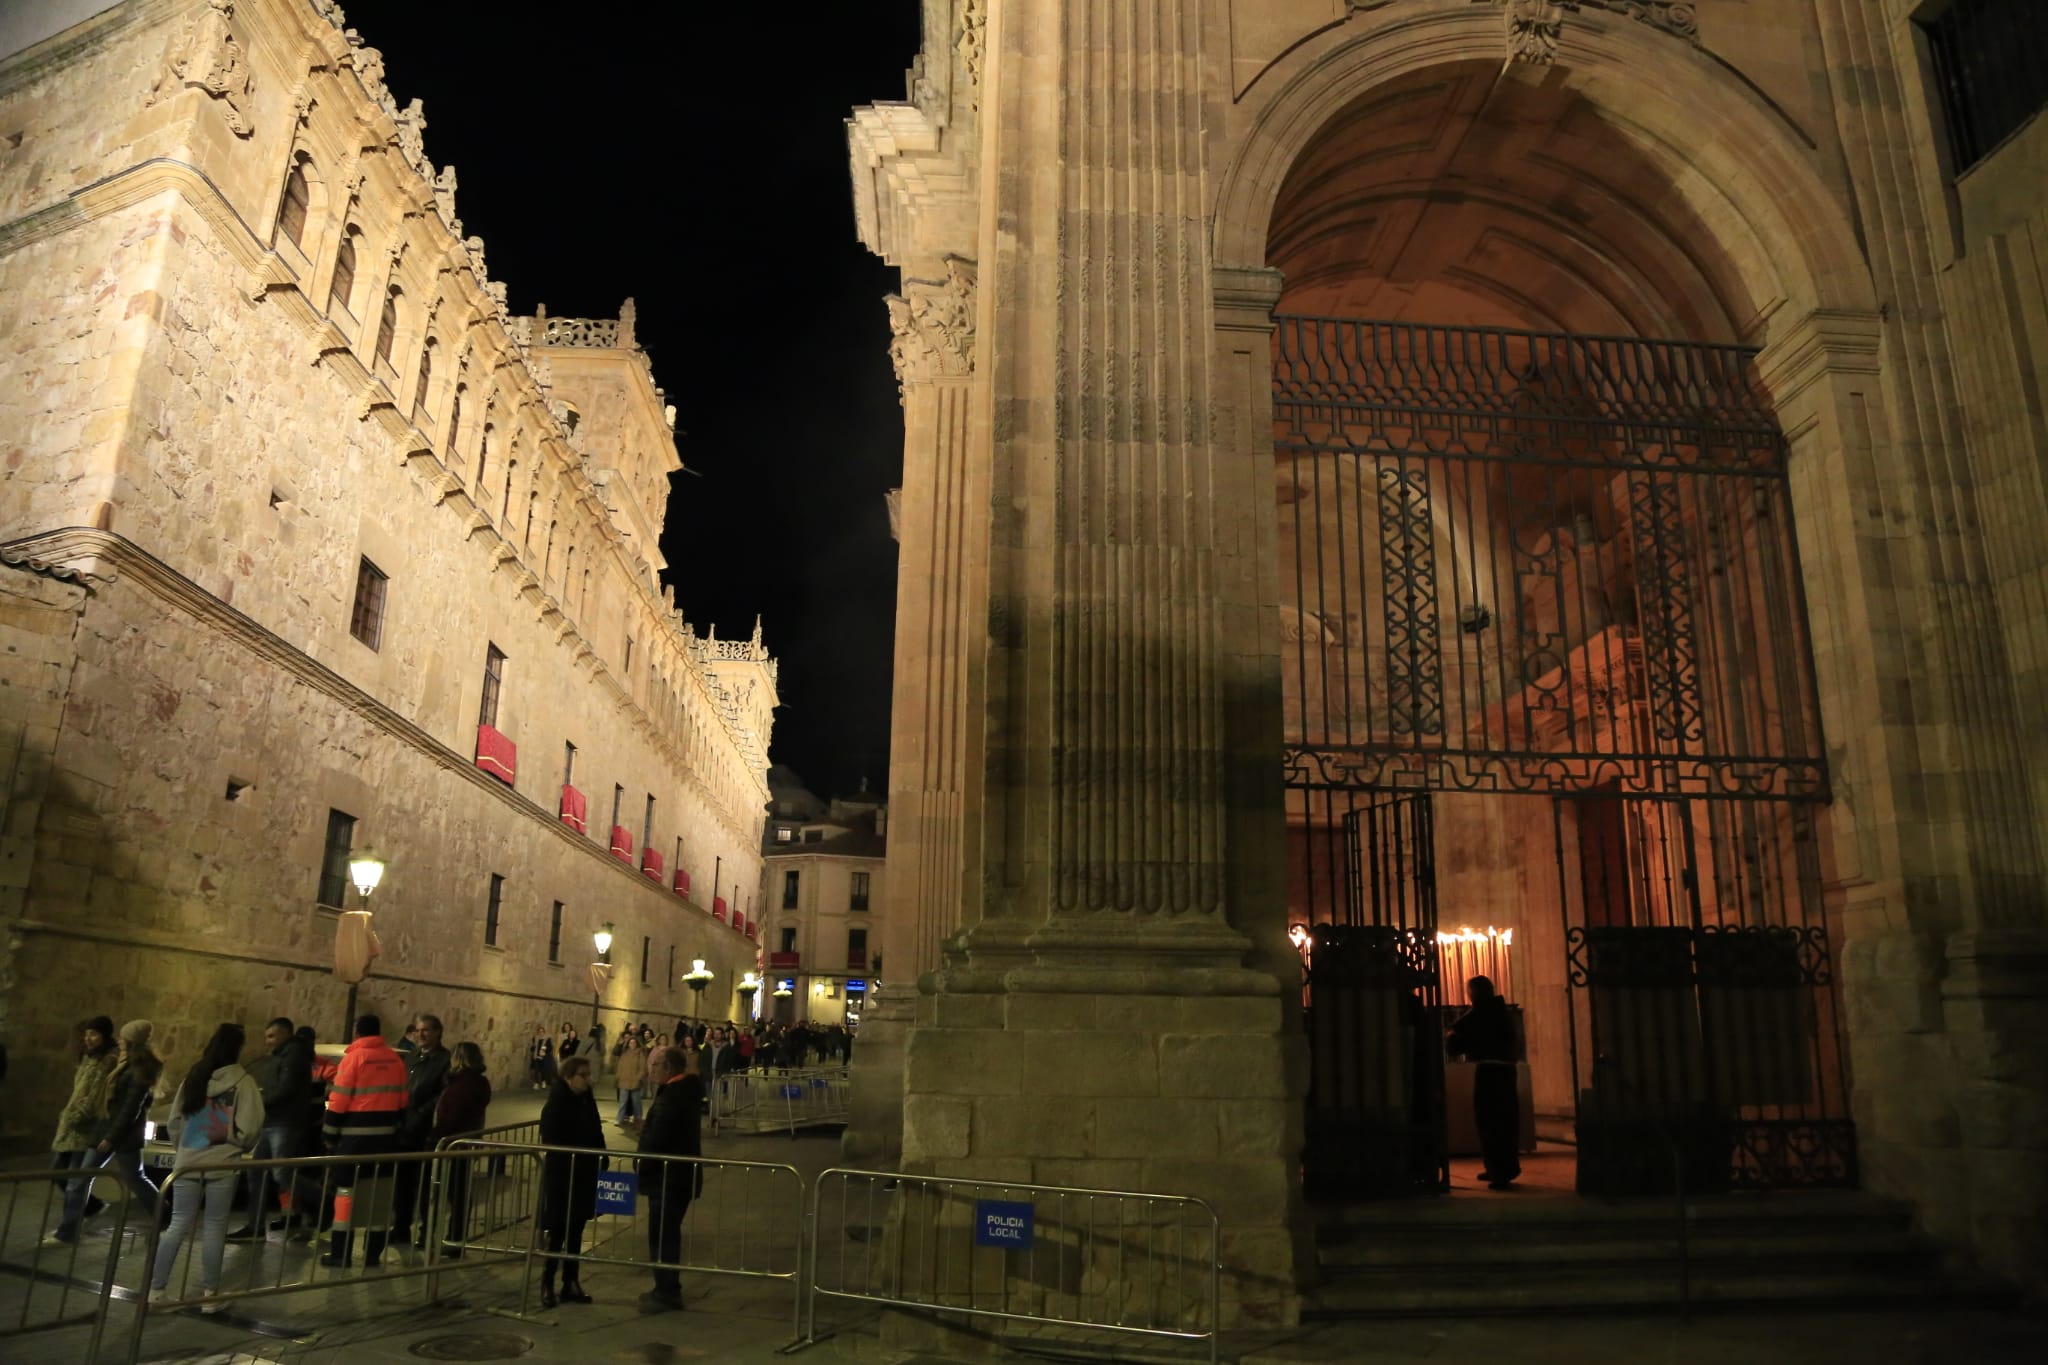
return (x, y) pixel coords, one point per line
(1486, 1035)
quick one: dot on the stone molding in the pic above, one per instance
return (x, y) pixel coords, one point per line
(100, 559)
(1823, 342)
(931, 327)
(1534, 28)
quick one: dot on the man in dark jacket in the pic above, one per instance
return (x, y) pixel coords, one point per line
(426, 1069)
(1486, 1035)
(286, 1079)
(674, 1127)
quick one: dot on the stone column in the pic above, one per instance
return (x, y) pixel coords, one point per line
(1095, 1023)
(941, 592)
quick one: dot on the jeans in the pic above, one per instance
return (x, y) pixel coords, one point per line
(217, 1190)
(629, 1104)
(278, 1140)
(126, 1166)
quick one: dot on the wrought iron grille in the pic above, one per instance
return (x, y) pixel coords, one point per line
(1519, 561)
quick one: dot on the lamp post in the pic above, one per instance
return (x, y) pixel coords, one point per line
(603, 939)
(365, 869)
(749, 985)
(697, 978)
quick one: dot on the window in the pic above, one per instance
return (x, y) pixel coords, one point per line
(788, 938)
(341, 290)
(555, 933)
(628, 669)
(341, 838)
(784, 834)
(419, 388)
(856, 947)
(860, 892)
(646, 954)
(366, 618)
(505, 503)
(1991, 71)
(618, 801)
(454, 426)
(298, 197)
(671, 967)
(568, 764)
(789, 890)
(647, 825)
(494, 682)
(387, 324)
(491, 911)
(483, 455)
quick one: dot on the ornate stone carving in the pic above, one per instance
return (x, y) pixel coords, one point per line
(971, 44)
(1534, 26)
(412, 128)
(444, 195)
(206, 57)
(932, 326)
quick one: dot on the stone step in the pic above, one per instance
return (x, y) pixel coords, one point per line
(1805, 1207)
(1564, 1289)
(1556, 1246)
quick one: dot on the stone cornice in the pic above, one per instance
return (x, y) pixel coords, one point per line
(1803, 352)
(909, 181)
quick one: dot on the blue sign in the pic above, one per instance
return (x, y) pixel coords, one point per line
(617, 1192)
(1001, 1223)
(856, 986)
(792, 1092)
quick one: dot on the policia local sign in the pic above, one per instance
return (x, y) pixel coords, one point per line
(1001, 1223)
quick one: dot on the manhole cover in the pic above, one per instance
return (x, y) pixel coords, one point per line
(473, 1346)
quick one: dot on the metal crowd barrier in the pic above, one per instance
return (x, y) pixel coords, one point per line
(777, 1100)
(311, 1188)
(43, 1287)
(1113, 1260)
(714, 1238)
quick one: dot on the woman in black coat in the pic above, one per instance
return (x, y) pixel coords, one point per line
(568, 1183)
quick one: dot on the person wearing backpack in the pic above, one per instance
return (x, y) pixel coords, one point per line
(218, 1116)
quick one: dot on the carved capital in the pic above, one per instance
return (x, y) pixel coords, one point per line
(972, 45)
(1533, 30)
(932, 326)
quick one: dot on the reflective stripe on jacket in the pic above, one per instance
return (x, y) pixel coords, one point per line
(367, 1096)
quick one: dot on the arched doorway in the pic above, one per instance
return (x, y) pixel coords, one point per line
(1550, 706)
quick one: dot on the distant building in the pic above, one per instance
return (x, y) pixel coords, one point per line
(308, 544)
(821, 902)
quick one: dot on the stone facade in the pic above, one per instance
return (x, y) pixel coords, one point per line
(249, 352)
(1095, 209)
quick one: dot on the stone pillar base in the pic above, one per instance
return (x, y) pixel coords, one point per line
(1063, 1060)
(873, 1139)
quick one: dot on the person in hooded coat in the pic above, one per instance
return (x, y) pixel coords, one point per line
(568, 1189)
(218, 1116)
(118, 1145)
(78, 1123)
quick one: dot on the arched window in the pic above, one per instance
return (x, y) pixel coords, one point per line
(483, 455)
(454, 429)
(419, 388)
(298, 197)
(505, 504)
(547, 559)
(387, 324)
(342, 289)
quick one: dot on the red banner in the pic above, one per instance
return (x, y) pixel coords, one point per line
(575, 810)
(718, 908)
(752, 929)
(622, 843)
(682, 883)
(650, 863)
(496, 754)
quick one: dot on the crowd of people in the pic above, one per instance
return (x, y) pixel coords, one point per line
(378, 1101)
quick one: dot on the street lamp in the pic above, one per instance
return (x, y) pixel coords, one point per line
(749, 985)
(365, 869)
(697, 978)
(599, 970)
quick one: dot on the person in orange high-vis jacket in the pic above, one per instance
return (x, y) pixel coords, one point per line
(365, 1106)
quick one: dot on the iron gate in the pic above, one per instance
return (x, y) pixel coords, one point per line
(1376, 1113)
(1563, 567)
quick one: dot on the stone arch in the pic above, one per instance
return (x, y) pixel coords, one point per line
(1743, 168)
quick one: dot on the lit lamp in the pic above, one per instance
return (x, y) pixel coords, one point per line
(600, 970)
(697, 978)
(749, 985)
(783, 989)
(355, 942)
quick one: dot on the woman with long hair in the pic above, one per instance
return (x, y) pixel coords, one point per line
(79, 1121)
(118, 1149)
(217, 1115)
(568, 1186)
(460, 1110)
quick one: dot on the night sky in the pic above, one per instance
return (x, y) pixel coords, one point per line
(695, 159)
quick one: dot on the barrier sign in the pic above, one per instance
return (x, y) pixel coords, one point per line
(1002, 1223)
(617, 1192)
(792, 1092)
